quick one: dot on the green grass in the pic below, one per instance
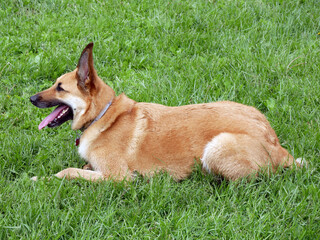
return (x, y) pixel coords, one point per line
(262, 53)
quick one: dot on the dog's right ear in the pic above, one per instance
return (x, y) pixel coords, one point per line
(85, 70)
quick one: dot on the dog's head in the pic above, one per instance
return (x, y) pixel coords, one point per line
(79, 95)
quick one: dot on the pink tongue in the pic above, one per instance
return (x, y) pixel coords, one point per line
(51, 116)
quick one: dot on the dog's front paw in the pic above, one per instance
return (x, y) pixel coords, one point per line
(35, 178)
(87, 167)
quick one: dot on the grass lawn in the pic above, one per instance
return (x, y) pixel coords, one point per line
(263, 53)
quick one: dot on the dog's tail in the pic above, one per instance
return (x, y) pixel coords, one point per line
(301, 162)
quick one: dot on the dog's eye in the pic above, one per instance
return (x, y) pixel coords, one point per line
(59, 88)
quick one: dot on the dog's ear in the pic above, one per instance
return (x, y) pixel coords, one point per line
(85, 70)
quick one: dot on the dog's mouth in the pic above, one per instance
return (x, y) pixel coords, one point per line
(60, 115)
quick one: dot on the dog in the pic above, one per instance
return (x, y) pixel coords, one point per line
(121, 136)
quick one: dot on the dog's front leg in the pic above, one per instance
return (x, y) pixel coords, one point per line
(73, 173)
(87, 167)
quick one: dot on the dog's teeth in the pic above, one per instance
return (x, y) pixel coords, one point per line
(60, 115)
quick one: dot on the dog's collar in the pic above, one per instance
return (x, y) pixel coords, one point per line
(94, 120)
(101, 113)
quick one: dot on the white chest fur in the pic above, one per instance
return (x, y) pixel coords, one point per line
(86, 141)
(83, 147)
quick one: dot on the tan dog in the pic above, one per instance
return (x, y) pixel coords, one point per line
(121, 136)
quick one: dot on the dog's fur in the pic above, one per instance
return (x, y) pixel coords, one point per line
(227, 138)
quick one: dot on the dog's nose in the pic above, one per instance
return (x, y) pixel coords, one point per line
(35, 98)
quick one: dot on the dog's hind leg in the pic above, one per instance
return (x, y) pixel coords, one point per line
(235, 156)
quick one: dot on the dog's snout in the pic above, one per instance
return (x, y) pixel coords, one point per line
(34, 99)
(43, 102)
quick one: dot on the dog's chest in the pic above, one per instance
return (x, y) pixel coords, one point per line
(83, 147)
(86, 141)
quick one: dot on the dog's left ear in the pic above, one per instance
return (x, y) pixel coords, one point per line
(86, 72)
